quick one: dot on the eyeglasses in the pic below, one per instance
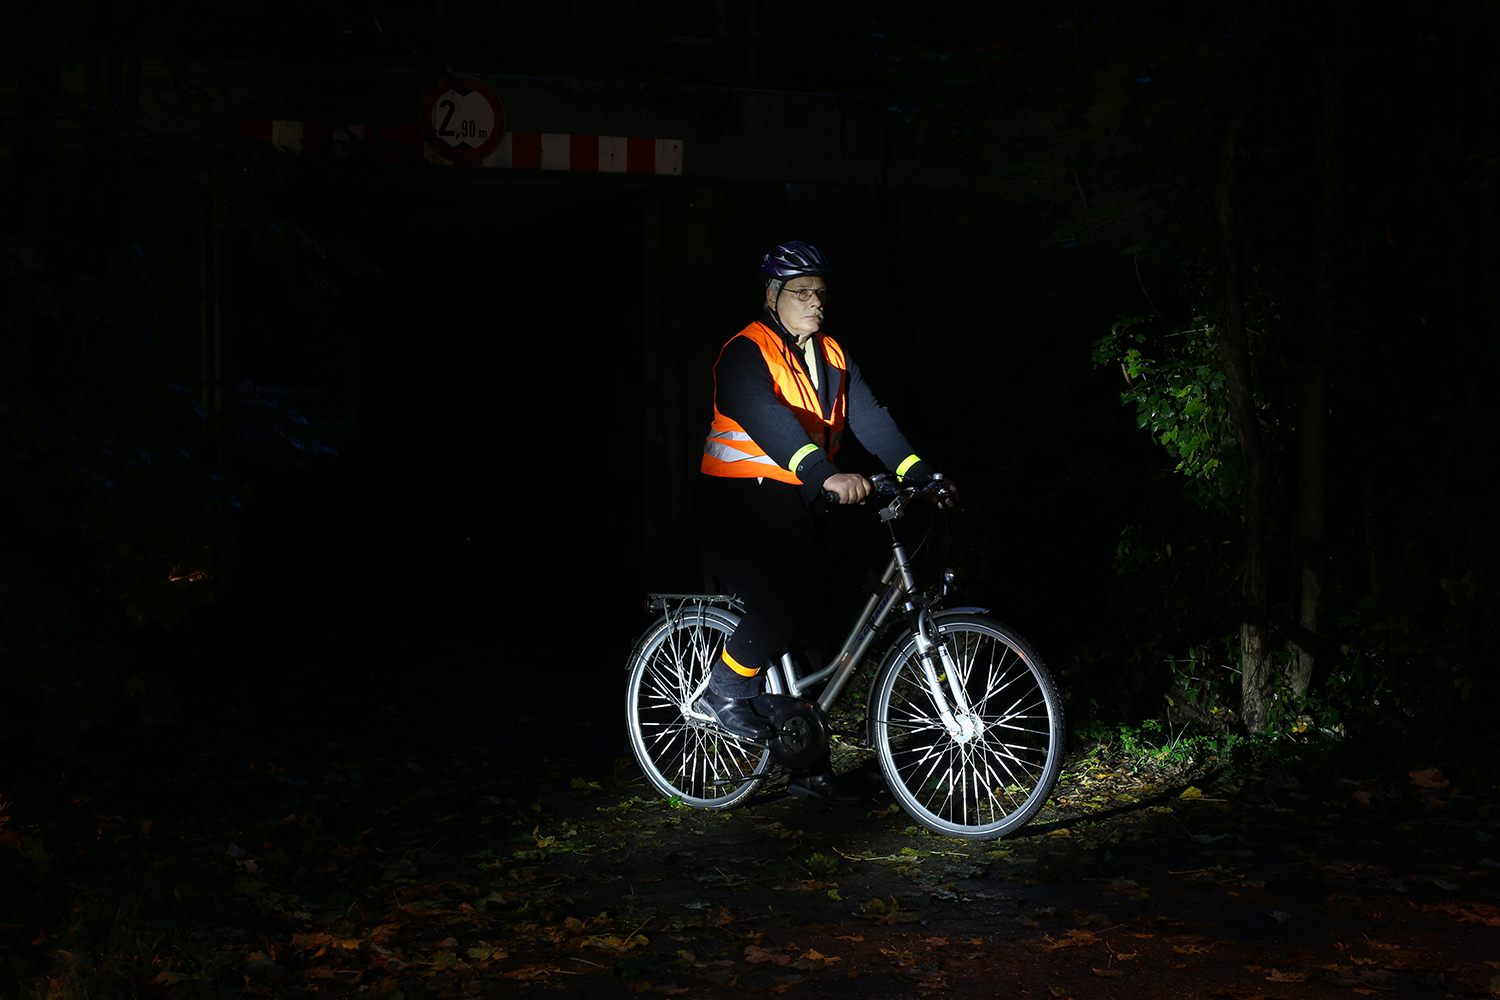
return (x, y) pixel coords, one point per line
(804, 294)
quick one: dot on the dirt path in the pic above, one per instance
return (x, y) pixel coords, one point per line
(1136, 885)
(405, 840)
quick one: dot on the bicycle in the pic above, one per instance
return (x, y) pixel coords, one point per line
(964, 717)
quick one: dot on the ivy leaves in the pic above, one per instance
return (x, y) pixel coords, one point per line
(1177, 388)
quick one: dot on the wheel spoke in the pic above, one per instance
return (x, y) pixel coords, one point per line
(994, 779)
(683, 755)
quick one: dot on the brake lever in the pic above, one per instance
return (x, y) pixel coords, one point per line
(942, 494)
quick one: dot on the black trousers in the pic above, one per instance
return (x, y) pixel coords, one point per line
(760, 541)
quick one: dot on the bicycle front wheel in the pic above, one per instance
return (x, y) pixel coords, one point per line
(991, 772)
(683, 752)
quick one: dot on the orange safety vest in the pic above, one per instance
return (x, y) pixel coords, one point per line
(729, 450)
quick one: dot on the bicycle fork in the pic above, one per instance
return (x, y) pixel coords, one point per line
(958, 718)
(937, 663)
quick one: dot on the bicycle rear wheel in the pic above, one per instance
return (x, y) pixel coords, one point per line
(993, 780)
(683, 752)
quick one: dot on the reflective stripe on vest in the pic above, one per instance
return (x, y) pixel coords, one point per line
(729, 450)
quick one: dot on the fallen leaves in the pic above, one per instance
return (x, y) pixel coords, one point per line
(808, 961)
(584, 878)
(1193, 945)
(892, 911)
(1478, 913)
(1070, 939)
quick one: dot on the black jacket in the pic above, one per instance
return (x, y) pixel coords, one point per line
(745, 393)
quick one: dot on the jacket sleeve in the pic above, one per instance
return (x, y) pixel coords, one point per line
(745, 393)
(877, 430)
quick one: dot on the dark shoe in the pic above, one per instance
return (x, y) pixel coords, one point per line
(737, 715)
(825, 788)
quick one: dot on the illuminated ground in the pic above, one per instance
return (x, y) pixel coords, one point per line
(451, 836)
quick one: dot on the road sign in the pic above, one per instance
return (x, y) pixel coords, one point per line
(463, 119)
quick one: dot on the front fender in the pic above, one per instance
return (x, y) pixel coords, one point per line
(948, 612)
(898, 645)
(938, 617)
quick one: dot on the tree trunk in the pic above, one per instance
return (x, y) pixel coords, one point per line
(1234, 349)
(1310, 522)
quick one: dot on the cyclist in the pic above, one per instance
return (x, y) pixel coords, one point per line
(784, 395)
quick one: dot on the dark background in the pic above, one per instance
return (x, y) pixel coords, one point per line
(486, 332)
(506, 374)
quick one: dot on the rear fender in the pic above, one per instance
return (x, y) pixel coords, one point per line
(728, 617)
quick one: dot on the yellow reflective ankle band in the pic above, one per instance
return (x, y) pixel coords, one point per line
(734, 665)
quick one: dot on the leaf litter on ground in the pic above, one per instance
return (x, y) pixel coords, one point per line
(385, 872)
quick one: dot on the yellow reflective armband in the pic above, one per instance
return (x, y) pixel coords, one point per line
(905, 466)
(800, 454)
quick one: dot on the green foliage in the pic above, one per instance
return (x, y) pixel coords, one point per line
(822, 864)
(1156, 743)
(1177, 388)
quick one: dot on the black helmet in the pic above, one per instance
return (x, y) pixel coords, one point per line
(791, 260)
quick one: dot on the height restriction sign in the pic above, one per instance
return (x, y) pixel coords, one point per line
(463, 119)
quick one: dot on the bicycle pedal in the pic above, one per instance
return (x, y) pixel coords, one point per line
(740, 779)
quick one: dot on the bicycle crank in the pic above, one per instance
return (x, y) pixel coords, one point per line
(800, 731)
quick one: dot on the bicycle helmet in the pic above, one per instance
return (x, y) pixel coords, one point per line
(794, 259)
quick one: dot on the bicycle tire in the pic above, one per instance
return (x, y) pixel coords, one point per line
(694, 761)
(994, 782)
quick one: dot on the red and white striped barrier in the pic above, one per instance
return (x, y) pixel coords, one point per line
(603, 154)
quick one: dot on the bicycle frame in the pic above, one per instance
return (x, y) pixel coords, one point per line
(896, 581)
(964, 720)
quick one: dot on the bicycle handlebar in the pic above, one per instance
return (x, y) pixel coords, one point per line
(937, 489)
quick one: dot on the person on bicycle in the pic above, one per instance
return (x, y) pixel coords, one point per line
(785, 393)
